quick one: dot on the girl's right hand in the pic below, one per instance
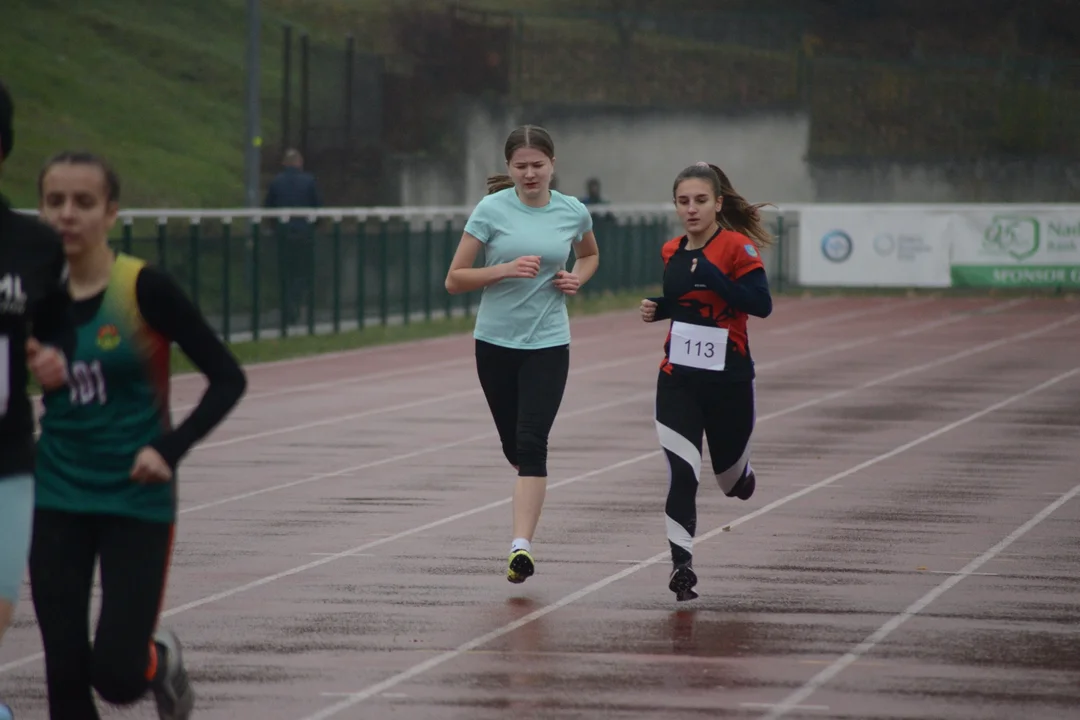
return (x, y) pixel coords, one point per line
(648, 310)
(526, 266)
(46, 364)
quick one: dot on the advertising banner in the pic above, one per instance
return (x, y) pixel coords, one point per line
(873, 245)
(1015, 247)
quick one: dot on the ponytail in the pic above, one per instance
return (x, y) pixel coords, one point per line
(495, 183)
(736, 213)
(739, 215)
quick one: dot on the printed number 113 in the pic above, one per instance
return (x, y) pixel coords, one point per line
(708, 346)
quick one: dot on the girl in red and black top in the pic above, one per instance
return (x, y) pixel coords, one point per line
(714, 280)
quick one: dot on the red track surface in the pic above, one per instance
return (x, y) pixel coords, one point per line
(911, 550)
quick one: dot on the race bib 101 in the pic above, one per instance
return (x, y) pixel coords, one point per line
(698, 346)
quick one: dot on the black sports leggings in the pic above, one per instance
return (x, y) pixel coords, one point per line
(524, 389)
(688, 406)
(134, 557)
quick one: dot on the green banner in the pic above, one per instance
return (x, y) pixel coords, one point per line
(1003, 276)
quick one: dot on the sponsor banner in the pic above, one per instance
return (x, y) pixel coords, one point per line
(870, 246)
(1015, 247)
(999, 276)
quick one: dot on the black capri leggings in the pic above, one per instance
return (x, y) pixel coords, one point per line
(688, 406)
(134, 557)
(524, 389)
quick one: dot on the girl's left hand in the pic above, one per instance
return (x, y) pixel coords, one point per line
(567, 282)
(150, 467)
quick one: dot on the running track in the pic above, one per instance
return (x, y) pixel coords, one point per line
(911, 551)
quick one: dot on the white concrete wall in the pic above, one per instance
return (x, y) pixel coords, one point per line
(636, 156)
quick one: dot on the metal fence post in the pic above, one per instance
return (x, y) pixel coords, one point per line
(162, 243)
(406, 288)
(448, 255)
(384, 271)
(226, 281)
(310, 252)
(127, 240)
(194, 227)
(361, 273)
(336, 263)
(256, 281)
(781, 270)
(428, 252)
(283, 288)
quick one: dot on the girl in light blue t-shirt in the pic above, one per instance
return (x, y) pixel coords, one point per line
(526, 231)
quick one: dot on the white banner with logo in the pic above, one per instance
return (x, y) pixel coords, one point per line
(1015, 246)
(873, 245)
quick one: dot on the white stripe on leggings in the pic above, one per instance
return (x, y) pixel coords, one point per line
(679, 535)
(681, 447)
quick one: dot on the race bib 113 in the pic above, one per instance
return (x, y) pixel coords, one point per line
(698, 346)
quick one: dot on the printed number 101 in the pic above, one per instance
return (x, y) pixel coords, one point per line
(696, 348)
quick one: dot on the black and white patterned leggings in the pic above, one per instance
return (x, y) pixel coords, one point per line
(689, 406)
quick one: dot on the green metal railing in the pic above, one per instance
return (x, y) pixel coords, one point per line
(279, 273)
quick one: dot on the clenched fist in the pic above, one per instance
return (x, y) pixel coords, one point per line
(648, 310)
(47, 364)
(150, 467)
(567, 282)
(526, 266)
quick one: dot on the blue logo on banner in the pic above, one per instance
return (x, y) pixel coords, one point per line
(836, 245)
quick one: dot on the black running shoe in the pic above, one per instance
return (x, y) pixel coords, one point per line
(682, 582)
(744, 489)
(520, 567)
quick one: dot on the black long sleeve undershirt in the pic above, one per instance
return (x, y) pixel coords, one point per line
(52, 322)
(749, 294)
(168, 311)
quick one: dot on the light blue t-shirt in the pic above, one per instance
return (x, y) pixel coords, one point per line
(526, 313)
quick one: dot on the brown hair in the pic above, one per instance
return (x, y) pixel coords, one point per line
(736, 213)
(68, 157)
(525, 136)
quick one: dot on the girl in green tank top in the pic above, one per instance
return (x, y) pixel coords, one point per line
(106, 480)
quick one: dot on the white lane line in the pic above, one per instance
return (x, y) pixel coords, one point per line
(372, 377)
(366, 378)
(792, 701)
(397, 458)
(852, 315)
(483, 508)
(568, 481)
(958, 572)
(941, 361)
(643, 396)
(484, 436)
(421, 668)
(575, 322)
(990, 310)
(472, 393)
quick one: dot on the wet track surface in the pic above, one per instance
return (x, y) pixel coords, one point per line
(912, 550)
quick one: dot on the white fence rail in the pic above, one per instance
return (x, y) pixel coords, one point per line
(819, 245)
